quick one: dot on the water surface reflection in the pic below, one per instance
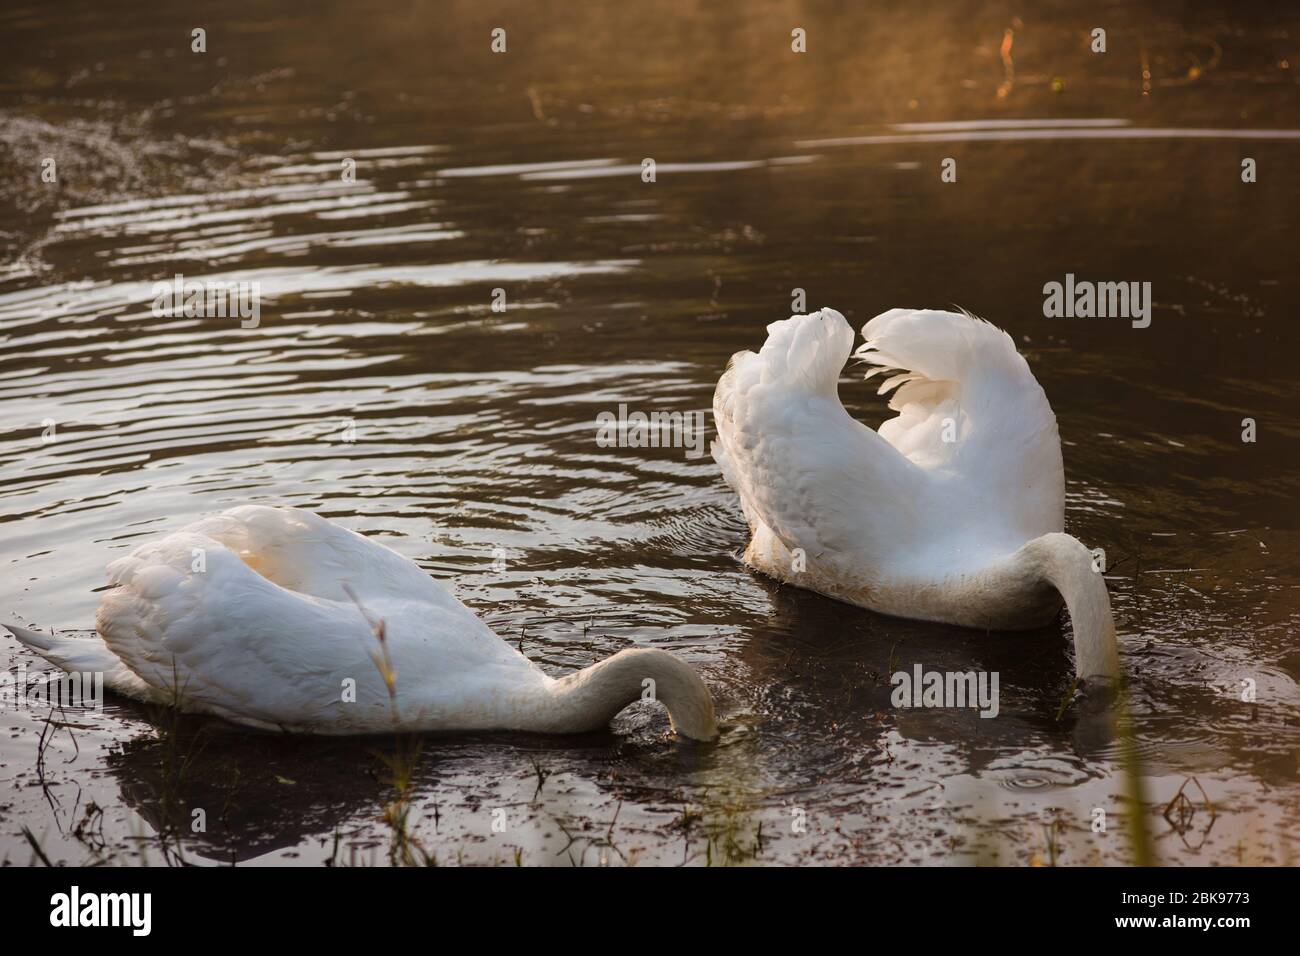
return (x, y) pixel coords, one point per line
(474, 429)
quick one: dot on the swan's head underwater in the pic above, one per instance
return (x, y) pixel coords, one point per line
(588, 699)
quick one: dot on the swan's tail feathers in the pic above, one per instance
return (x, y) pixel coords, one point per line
(967, 402)
(84, 655)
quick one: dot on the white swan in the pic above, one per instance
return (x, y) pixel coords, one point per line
(256, 615)
(952, 512)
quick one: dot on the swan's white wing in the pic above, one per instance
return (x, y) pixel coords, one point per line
(971, 413)
(222, 638)
(303, 552)
(807, 472)
(86, 655)
(429, 630)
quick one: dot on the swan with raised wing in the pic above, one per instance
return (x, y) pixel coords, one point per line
(953, 511)
(279, 619)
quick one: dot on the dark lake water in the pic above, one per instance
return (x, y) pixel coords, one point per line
(475, 429)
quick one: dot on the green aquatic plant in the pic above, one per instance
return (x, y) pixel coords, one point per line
(1141, 849)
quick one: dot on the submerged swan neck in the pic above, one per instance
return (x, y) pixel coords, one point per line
(1067, 565)
(589, 699)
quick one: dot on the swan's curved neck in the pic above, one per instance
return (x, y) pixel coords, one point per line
(589, 699)
(1067, 565)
